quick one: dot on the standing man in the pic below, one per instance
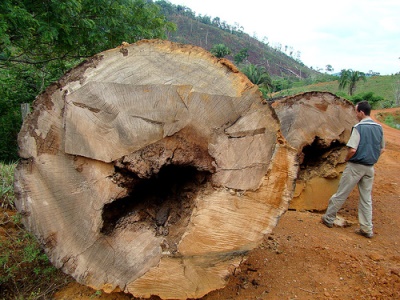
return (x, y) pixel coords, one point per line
(365, 145)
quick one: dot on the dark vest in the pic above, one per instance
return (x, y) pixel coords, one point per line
(369, 149)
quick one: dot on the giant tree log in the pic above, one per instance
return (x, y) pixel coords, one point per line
(153, 169)
(318, 125)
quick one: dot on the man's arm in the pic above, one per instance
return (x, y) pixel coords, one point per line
(350, 153)
(383, 144)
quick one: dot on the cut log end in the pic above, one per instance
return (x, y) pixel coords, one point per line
(318, 125)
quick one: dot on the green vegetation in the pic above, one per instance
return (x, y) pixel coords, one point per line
(380, 89)
(220, 50)
(25, 269)
(390, 119)
(258, 75)
(370, 97)
(350, 78)
(39, 42)
(7, 185)
(241, 56)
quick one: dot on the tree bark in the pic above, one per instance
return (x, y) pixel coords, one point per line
(153, 169)
(318, 125)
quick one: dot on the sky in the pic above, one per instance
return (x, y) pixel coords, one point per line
(361, 35)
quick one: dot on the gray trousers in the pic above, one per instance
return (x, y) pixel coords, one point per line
(354, 174)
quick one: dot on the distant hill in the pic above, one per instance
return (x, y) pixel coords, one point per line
(205, 32)
(387, 87)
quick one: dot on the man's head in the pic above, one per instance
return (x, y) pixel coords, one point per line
(363, 109)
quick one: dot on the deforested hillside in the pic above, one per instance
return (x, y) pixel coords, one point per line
(206, 31)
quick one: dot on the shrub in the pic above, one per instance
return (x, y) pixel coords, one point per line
(369, 96)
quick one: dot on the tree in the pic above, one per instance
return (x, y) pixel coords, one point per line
(241, 56)
(216, 21)
(396, 87)
(258, 75)
(205, 19)
(329, 68)
(37, 34)
(220, 50)
(350, 78)
(368, 96)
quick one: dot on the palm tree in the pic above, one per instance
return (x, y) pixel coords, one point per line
(258, 75)
(350, 78)
(220, 50)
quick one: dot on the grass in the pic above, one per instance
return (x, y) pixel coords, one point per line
(7, 185)
(392, 122)
(390, 119)
(25, 271)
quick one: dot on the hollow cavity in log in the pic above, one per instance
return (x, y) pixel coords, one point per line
(162, 203)
(317, 152)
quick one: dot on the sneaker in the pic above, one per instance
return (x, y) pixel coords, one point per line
(323, 221)
(364, 234)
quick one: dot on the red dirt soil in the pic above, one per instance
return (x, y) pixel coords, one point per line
(303, 259)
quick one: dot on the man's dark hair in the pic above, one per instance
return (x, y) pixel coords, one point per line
(364, 107)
